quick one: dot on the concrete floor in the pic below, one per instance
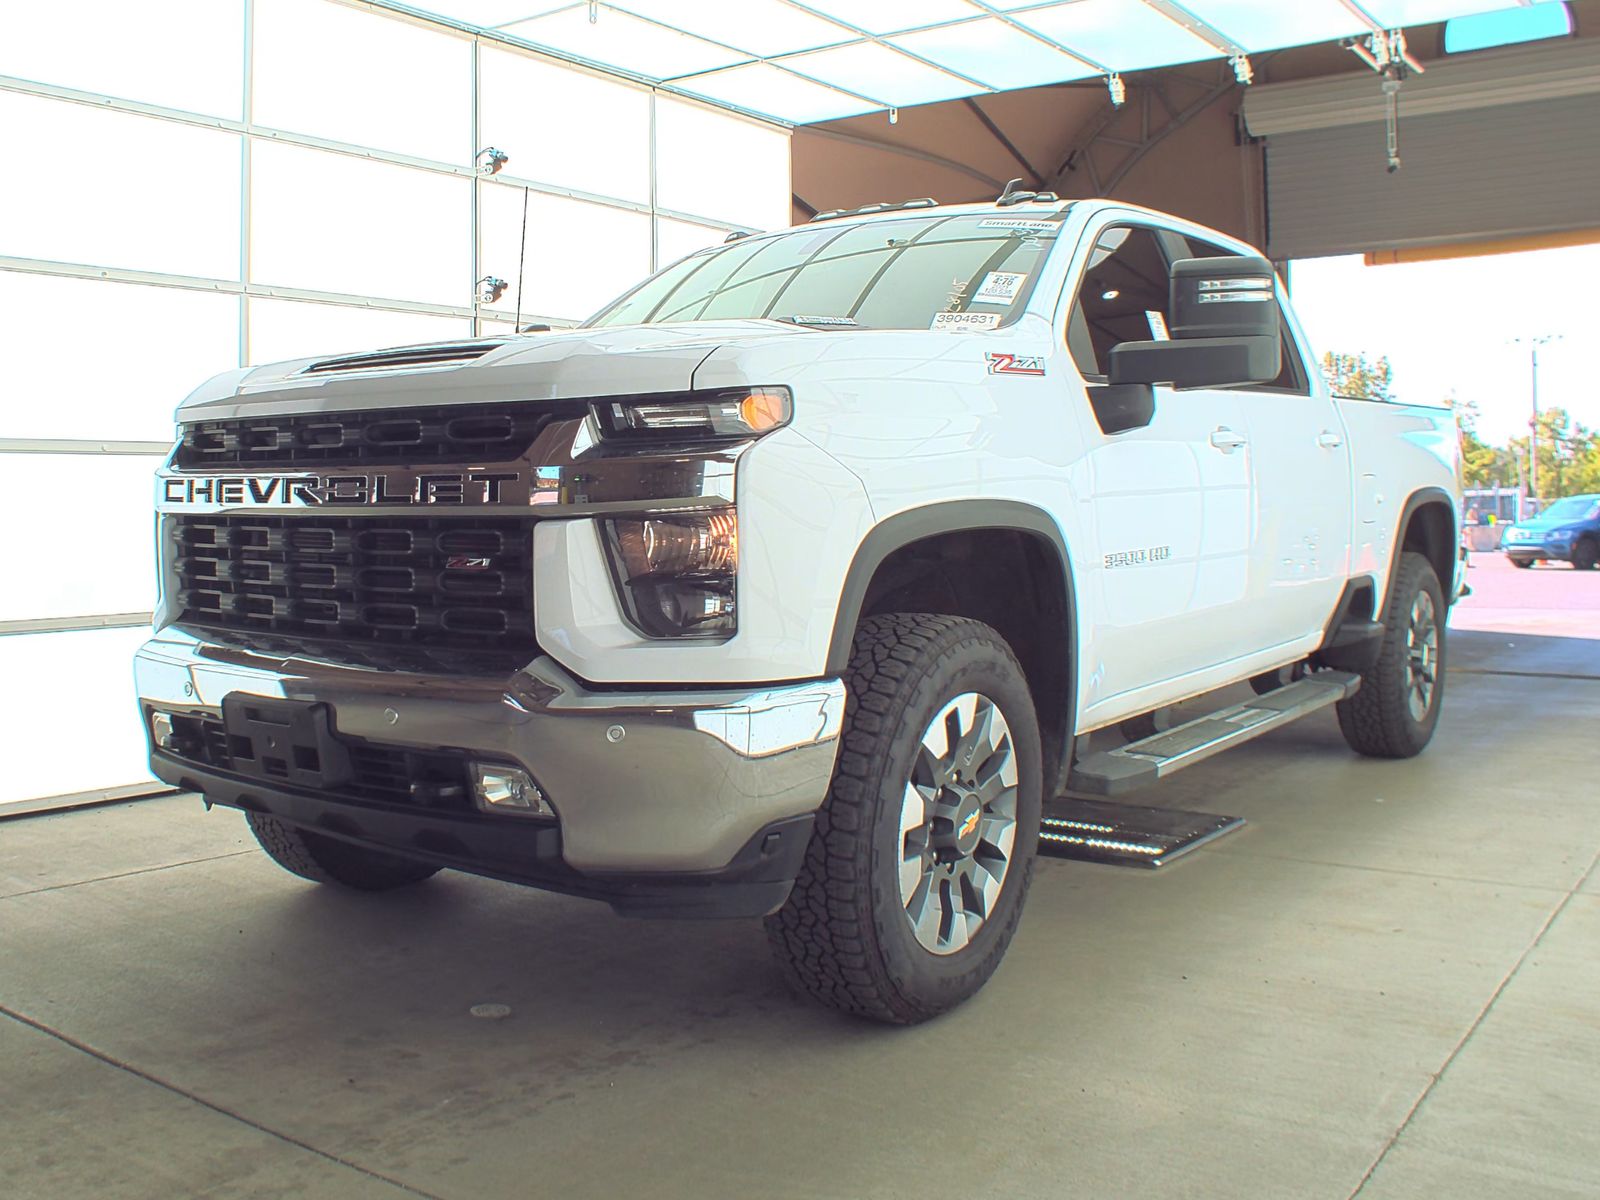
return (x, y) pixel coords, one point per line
(1387, 984)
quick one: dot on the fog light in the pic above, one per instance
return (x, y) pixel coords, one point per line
(499, 788)
(161, 731)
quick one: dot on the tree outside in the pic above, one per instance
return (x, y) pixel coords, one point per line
(1359, 377)
(1568, 451)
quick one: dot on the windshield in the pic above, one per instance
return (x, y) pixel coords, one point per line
(1573, 508)
(972, 270)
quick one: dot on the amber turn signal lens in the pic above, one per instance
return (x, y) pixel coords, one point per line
(764, 409)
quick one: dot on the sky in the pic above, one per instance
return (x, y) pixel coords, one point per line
(1448, 327)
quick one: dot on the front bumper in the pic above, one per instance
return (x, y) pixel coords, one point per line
(1532, 551)
(666, 800)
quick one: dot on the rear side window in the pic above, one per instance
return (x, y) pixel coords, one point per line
(1122, 298)
(1292, 377)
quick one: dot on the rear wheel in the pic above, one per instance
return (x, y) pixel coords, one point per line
(1586, 554)
(914, 879)
(1395, 712)
(323, 859)
(1522, 564)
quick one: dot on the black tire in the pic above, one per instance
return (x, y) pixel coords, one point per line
(1522, 564)
(323, 859)
(1585, 554)
(1379, 720)
(845, 937)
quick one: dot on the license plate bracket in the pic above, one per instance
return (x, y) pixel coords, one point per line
(287, 741)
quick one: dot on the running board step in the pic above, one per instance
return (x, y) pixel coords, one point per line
(1139, 764)
(1126, 835)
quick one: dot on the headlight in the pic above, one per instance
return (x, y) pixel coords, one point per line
(737, 413)
(676, 575)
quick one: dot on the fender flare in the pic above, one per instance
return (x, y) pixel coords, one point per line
(959, 516)
(1419, 499)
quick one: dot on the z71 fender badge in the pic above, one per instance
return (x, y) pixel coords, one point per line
(1014, 364)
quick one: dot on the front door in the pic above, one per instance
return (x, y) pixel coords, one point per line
(1171, 502)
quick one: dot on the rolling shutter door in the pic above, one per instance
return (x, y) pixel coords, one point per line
(1499, 145)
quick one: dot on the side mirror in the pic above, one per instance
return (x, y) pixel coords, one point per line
(1224, 327)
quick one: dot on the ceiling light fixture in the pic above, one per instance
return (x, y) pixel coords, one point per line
(1118, 89)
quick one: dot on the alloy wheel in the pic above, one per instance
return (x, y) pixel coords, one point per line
(958, 823)
(1422, 656)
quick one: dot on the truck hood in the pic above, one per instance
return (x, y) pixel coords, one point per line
(561, 365)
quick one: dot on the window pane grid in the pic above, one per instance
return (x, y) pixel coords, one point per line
(231, 241)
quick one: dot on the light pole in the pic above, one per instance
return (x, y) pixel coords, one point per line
(1533, 344)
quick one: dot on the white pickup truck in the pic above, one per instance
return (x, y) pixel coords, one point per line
(789, 584)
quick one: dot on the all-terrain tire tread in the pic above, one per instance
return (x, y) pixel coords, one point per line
(299, 853)
(1375, 721)
(823, 939)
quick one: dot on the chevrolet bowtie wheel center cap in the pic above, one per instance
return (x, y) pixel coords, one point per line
(958, 823)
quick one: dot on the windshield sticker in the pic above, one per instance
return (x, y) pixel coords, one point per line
(963, 322)
(1019, 223)
(1158, 324)
(958, 291)
(1000, 287)
(1014, 364)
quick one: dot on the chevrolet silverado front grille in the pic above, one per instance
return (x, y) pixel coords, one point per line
(473, 433)
(436, 582)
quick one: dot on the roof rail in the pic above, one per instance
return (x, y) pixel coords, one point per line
(881, 206)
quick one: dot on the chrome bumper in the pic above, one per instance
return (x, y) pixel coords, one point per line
(642, 781)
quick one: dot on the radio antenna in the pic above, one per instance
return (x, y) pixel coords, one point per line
(522, 254)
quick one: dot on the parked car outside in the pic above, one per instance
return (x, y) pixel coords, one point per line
(1566, 531)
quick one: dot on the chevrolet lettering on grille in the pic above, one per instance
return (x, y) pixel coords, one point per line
(423, 488)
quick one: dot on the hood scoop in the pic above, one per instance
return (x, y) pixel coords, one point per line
(441, 354)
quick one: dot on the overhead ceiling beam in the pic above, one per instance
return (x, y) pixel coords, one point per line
(950, 164)
(1204, 30)
(1112, 127)
(999, 135)
(1010, 19)
(867, 35)
(1363, 15)
(749, 60)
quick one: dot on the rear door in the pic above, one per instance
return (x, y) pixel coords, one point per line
(1300, 459)
(1171, 502)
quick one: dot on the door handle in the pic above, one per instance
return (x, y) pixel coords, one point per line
(1329, 440)
(1227, 440)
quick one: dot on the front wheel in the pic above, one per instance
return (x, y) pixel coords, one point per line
(914, 879)
(1395, 712)
(1522, 564)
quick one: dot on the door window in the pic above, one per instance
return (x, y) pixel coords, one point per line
(1122, 298)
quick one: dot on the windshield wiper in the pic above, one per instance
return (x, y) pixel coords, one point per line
(820, 322)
